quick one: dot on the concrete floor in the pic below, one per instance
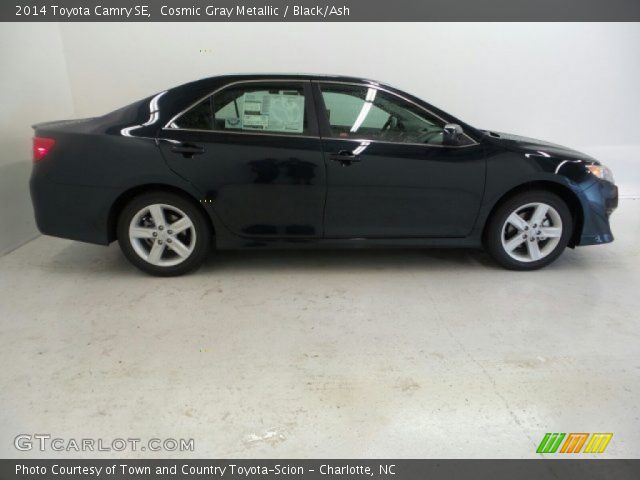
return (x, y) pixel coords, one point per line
(325, 353)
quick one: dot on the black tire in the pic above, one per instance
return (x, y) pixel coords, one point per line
(201, 234)
(494, 231)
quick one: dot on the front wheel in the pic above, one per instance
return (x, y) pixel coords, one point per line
(529, 231)
(164, 234)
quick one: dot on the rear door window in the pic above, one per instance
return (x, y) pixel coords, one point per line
(255, 107)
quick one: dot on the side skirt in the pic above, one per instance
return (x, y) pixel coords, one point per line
(346, 243)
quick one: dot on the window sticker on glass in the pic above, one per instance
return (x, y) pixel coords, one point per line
(274, 112)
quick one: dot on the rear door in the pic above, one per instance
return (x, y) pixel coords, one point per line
(253, 149)
(389, 173)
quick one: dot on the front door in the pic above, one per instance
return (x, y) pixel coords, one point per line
(253, 150)
(389, 173)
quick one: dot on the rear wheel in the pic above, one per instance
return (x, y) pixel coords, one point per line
(529, 231)
(164, 234)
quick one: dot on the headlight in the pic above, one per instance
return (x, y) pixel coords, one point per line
(602, 172)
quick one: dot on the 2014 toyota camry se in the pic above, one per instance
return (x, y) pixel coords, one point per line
(254, 161)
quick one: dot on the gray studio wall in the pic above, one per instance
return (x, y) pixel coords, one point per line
(34, 87)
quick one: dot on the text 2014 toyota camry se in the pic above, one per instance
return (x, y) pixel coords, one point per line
(251, 161)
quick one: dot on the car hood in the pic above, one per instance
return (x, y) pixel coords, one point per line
(517, 142)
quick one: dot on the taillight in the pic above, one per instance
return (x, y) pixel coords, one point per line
(42, 146)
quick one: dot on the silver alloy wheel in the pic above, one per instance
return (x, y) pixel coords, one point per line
(531, 232)
(162, 235)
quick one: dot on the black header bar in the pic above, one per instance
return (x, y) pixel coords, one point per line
(319, 11)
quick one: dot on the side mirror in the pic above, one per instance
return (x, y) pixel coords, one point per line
(452, 134)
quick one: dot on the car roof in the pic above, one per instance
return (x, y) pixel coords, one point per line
(297, 76)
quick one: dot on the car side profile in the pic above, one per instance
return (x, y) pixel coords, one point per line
(278, 161)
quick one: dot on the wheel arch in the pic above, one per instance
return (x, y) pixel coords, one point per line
(563, 191)
(121, 201)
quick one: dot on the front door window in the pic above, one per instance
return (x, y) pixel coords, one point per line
(366, 112)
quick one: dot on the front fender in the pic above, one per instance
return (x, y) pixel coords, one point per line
(510, 172)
